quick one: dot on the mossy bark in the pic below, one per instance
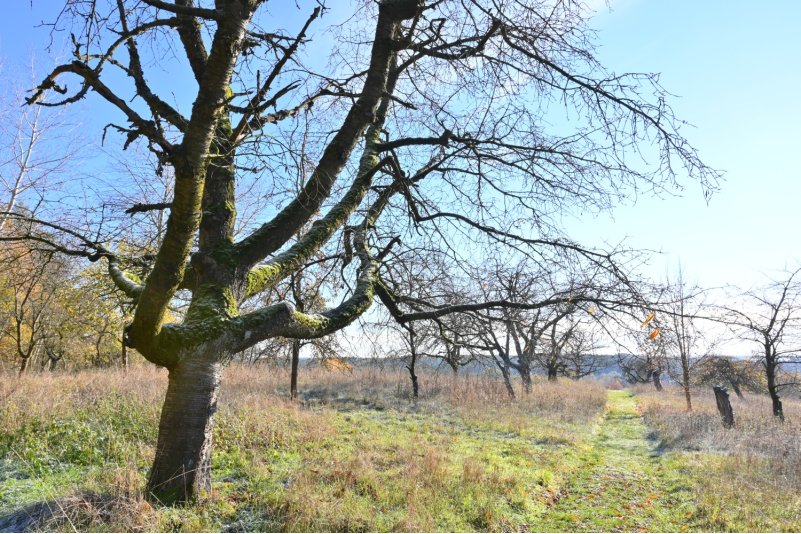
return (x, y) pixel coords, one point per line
(204, 206)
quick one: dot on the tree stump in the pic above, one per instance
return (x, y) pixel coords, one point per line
(724, 406)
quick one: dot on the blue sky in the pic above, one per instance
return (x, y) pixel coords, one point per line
(735, 67)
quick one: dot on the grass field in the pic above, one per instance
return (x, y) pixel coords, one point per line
(357, 454)
(744, 479)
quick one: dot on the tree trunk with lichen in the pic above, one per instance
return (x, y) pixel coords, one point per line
(182, 465)
(223, 274)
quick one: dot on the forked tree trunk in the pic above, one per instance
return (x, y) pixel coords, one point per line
(182, 467)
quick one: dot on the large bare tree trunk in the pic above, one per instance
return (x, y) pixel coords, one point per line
(182, 467)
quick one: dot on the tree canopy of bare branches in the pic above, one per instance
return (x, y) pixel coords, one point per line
(428, 134)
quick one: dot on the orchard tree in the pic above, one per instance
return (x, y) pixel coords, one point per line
(37, 285)
(770, 317)
(426, 130)
(740, 374)
(543, 317)
(680, 334)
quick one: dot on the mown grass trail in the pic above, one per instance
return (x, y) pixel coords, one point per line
(624, 484)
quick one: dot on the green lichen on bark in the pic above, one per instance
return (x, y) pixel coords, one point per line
(128, 283)
(208, 319)
(266, 276)
(261, 277)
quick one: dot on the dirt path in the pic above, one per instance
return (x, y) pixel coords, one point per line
(624, 484)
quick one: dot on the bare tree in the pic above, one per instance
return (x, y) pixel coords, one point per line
(430, 121)
(38, 146)
(35, 287)
(646, 364)
(580, 355)
(680, 333)
(547, 326)
(451, 342)
(740, 374)
(771, 317)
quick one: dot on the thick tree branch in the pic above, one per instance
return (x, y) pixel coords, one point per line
(190, 164)
(274, 234)
(180, 8)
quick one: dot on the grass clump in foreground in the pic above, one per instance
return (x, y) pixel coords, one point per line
(746, 479)
(355, 455)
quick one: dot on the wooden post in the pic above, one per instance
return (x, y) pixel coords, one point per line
(724, 406)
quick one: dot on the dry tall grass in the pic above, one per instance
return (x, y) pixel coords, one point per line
(257, 421)
(758, 435)
(747, 477)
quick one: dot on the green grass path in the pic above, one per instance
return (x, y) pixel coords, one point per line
(623, 483)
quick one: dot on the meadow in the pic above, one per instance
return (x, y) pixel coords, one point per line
(744, 479)
(357, 453)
